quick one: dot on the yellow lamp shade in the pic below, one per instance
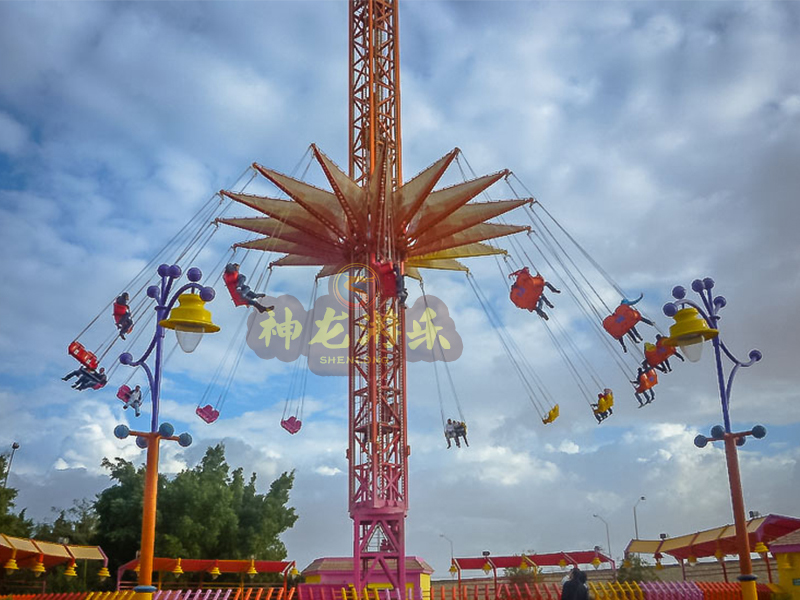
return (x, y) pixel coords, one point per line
(70, 570)
(10, 566)
(294, 572)
(692, 559)
(251, 572)
(761, 548)
(190, 316)
(486, 567)
(523, 565)
(453, 569)
(659, 566)
(103, 574)
(689, 330)
(626, 563)
(38, 569)
(214, 572)
(719, 555)
(562, 563)
(595, 562)
(178, 570)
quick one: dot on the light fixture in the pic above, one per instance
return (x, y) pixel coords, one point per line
(190, 320)
(523, 565)
(11, 566)
(453, 569)
(761, 548)
(486, 567)
(689, 332)
(38, 568)
(719, 555)
(692, 560)
(214, 572)
(251, 572)
(103, 573)
(178, 570)
(294, 572)
(562, 563)
(596, 562)
(70, 570)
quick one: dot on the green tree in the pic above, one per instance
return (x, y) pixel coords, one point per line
(11, 523)
(635, 568)
(77, 524)
(204, 512)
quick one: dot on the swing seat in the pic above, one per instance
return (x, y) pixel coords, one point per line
(552, 415)
(83, 356)
(230, 280)
(386, 278)
(647, 381)
(622, 321)
(208, 413)
(292, 424)
(526, 290)
(124, 392)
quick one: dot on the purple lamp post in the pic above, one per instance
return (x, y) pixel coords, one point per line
(190, 320)
(695, 324)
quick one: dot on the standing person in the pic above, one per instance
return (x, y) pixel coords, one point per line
(575, 588)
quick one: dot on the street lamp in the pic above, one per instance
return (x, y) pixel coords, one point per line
(695, 324)
(635, 522)
(190, 320)
(441, 535)
(14, 447)
(608, 539)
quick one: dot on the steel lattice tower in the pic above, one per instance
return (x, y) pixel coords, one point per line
(373, 221)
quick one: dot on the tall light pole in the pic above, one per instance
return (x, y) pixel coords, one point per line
(441, 535)
(635, 522)
(608, 539)
(190, 320)
(14, 447)
(695, 324)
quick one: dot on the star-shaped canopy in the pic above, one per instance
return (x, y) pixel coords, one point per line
(423, 227)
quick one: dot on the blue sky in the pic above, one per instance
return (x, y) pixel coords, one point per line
(663, 136)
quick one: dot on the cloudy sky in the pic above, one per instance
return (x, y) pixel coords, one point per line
(662, 136)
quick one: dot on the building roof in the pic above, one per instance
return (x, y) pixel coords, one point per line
(579, 557)
(194, 565)
(786, 544)
(28, 552)
(720, 539)
(329, 564)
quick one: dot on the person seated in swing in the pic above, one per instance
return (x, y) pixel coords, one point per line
(240, 291)
(542, 298)
(134, 400)
(122, 314)
(660, 352)
(646, 378)
(603, 409)
(402, 292)
(87, 378)
(460, 428)
(450, 433)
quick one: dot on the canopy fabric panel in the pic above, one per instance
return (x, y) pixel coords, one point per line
(195, 565)
(476, 233)
(709, 542)
(28, 552)
(414, 225)
(552, 559)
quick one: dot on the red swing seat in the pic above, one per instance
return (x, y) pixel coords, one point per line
(292, 424)
(527, 289)
(124, 392)
(208, 413)
(230, 280)
(82, 355)
(622, 321)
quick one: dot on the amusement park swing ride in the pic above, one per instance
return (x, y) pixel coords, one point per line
(379, 230)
